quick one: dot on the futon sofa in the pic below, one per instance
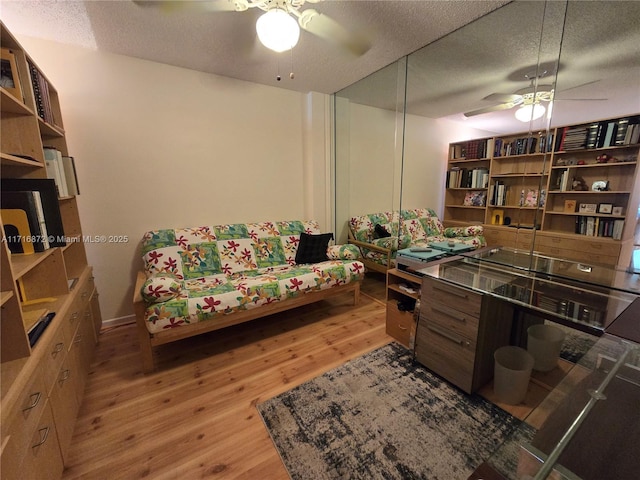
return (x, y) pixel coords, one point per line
(380, 235)
(200, 279)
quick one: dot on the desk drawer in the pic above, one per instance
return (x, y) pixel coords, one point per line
(449, 318)
(399, 323)
(448, 354)
(437, 291)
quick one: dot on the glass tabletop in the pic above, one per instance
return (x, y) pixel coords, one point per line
(588, 427)
(608, 276)
(582, 305)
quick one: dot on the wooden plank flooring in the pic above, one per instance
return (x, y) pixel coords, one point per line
(196, 417)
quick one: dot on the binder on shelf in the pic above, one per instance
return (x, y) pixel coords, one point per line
(30, 202)
(49, 201)
(55, 169)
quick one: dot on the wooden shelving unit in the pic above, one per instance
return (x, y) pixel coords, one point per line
(535, 177)
(42, 383)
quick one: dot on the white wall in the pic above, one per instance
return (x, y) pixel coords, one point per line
(158, 146)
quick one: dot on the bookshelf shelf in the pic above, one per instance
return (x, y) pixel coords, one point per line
(32, 285)
(531, 176)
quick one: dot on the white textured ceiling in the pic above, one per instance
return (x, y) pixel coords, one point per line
(475, 48)
(224, 43)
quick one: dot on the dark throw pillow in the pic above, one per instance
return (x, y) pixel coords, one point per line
(381, 232)
(313, 248)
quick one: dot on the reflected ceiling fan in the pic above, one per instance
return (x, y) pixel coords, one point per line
(279, 27)
(529, 99)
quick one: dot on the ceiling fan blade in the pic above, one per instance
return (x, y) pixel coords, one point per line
(503, 97)
(330, 30)
(578, 86)
(192, 5)
(495, 108)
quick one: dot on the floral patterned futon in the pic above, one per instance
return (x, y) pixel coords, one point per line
(201, 273)
(420, 226)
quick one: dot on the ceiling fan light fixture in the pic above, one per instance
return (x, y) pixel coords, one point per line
(530, 112)
(277, 30)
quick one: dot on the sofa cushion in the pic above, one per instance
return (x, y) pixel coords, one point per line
(313, 248)
(160, 288)
(343, 252)
(211, 297)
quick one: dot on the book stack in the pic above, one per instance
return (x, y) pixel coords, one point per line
(518, 146)
(62, 169)
(572, 138)
(31, 215)
(613, 133)
(599, 227)
(41, 93)
(458, 177)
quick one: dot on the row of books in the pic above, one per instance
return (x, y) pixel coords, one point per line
(530, 197)
(62, 169)
(599, 227)
(523, 145)
(609, 133)
(458, 177)
(31, 215)
(41, 93)
(473, 149)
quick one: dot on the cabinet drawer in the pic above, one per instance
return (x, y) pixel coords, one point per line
(24, 420)
(71, 320)
(584, 244)
(578, 255)
(399, 323)
(444, 293)
(53, 358)
(500, 237)
(448, 354)
(451, 319)
(42, 457)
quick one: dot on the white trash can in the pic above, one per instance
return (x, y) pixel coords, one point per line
(511, 375)
(544, 343)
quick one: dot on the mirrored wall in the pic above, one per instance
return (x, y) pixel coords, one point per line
(395, 131)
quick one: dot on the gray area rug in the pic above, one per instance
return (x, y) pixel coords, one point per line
(383, 416)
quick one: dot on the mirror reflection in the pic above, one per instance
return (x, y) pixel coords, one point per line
(396, 140)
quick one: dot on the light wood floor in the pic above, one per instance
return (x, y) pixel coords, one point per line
(196, 417)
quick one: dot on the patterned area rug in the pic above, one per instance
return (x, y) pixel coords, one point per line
(384, 416)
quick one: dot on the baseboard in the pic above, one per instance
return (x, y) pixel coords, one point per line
(116, 322)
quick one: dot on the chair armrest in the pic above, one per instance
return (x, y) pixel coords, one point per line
(369, 246)
(137, 296)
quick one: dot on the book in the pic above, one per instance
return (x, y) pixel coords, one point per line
(27, 201)
(618, 226)
(49, 200)
(69, 167)
(53, 165)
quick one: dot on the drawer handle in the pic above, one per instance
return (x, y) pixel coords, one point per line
(450, 313)
(74, 317)
(35, 399)
(65, 376)
(44, 434)
(57, 350)
(84, 294)
(452, 292)
(401, 327)
(449, 336)
(78, 339)
(584, 268)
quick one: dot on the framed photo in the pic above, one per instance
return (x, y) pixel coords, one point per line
(588, 208)
(605, 208)
(9, 73)
(570, 206)
(617, 211)
(475, 199)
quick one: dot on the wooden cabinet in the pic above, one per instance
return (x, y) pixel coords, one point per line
(575, 187)
(458, 331)
(403, 290)
(41, 385)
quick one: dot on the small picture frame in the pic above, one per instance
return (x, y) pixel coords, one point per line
(605, 208)
(570, 206)
(588, 208)
(617, 211)
(9, 73)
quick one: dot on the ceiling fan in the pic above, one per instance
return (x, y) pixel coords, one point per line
(529, 99)
(279, 27)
